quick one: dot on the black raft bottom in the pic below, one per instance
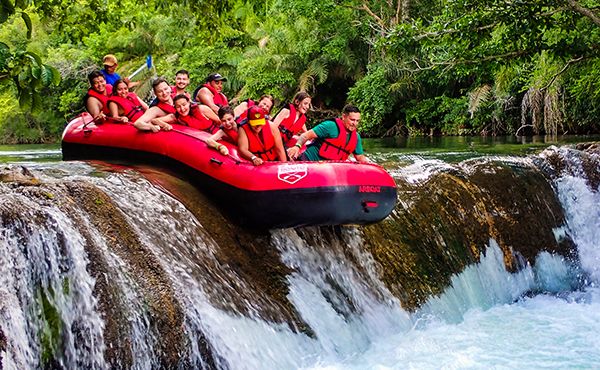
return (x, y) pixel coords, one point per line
(263, 209)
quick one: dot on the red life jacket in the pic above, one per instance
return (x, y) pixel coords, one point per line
(290, 126)
(218, 98)
(197, 120)
(242, 117)
(174, 92)
(231, 133)
(336, 148)
(103, 98)
(262, 144)
(166, 107)
(131, 106)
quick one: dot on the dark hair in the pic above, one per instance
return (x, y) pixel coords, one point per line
(349, 108)
(300, 95)
(182, 72)
(179, 97)
(270, 97)
(226, 109)
(158, 81)
(117, 82)
(93, 75)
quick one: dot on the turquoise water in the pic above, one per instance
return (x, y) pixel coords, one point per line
(30, 153)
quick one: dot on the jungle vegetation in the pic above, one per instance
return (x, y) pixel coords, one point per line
(449, 67)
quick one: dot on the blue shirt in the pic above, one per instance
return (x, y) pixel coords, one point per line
(110, 78)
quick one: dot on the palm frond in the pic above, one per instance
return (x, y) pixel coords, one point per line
(477, 97)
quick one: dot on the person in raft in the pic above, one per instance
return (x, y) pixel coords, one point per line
(125, 106)
(265, 102)
(96, 99)
(228, 131)
(110, 67)
(332, 139)
(194, 115)
(148, 121)
(291, 120)
(258, 140)
(210, 93)
(182, 80)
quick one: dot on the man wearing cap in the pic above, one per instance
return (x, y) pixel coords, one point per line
(210, 93)
(258, 140)
(332, 139)
(110, 66)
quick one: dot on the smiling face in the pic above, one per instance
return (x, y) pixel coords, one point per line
(163, 92)
(351, 120)
(266, 104)
(182, 81)
(182, 106)
(122, 89)
(99, 84)
(304, 105)
(228, 121)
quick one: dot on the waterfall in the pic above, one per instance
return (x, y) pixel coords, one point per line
(101, 267)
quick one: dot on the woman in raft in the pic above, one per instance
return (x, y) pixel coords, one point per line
(291, 120)
(241, 111)
(125, 106)
(197, 116)
(259, 140)
(228, 131)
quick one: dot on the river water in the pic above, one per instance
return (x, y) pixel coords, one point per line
(546, 315)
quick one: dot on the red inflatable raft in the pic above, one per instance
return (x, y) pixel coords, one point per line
(272, 195)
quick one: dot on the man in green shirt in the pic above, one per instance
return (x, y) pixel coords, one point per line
(332, 139)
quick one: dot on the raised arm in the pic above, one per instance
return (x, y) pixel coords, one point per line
(283, 114)
(241, 108)
(209, 113)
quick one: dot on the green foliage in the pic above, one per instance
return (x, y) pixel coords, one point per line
(372, 96)
(410, 64)
(583, 93)
(439, 115)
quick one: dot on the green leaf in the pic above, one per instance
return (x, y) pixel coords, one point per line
(36, 102)
(27, 21)
(34, 58)
(46, 77)
(56, 77)
(36, 71)
(25, 100)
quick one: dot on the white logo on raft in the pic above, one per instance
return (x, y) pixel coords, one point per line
(292, 173)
